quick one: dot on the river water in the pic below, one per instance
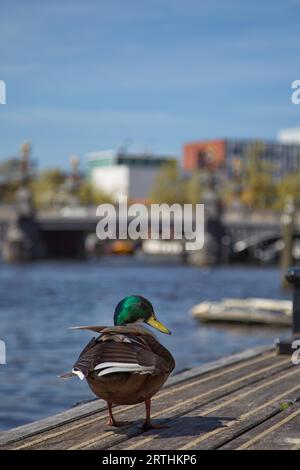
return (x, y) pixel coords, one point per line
(38, 302)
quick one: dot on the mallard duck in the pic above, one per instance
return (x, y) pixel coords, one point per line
(126, 364)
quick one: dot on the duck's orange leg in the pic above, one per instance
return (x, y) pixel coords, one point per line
(111, 420)
(148, 423)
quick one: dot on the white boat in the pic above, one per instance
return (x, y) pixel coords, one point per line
(250, 310)
(162, 247)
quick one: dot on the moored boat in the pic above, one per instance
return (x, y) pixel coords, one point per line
(250, 310)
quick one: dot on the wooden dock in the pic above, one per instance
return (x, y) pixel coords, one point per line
(250, 400)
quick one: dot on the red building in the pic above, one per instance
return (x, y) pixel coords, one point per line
(204, 154)
(232, 155)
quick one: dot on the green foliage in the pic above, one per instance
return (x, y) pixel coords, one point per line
(8, 191)
(89, 196)
(193, 188)
(47, 187)
(9, 179)
(289, 186)
(284, 406)
(52, 177)
(168, 187)
(258, 189)
(52, 188)
(9, 168)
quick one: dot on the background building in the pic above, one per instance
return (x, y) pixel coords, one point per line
(118, 172)
(228, 154)
(289, 136)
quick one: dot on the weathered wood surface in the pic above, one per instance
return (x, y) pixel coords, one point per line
(249, 400)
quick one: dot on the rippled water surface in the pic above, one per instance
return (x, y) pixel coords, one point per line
(38, 302)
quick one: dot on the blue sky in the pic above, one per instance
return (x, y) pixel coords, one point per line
(89, 75)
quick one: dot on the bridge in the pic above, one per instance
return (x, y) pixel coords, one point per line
(64, 233)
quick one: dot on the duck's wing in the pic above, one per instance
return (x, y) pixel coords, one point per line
(132, 329)
(135, 329)
(122, 351)
(85, 358)
(96, 328)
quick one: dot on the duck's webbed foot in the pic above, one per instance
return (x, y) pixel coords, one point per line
(117, 424)
(149, 425)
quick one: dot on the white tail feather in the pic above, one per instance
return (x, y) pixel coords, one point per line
(112, 370)
(112, 367)
(78, 373)
(114, 364)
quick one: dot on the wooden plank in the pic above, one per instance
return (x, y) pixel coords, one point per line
(235, 402)
(221, 380)
(51, 422)
(92, 433)
(89, 409)
(210, 426)
(281, 432)
(181, 408)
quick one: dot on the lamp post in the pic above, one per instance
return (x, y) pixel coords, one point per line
(25, 156)
(293, 277)
(287, 230)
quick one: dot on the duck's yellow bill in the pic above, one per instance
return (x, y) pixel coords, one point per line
(152, 321)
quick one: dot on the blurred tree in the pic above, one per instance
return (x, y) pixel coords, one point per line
(48, 187)
(8, 191)
(194, 188)
(53, 177)
(90, 196)
(10, 179)
(258, 189)
(168, 187)
(289, 186)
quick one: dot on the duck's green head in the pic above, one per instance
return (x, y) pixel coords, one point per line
(136, 308)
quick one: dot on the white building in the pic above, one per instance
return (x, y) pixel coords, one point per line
(122, 173)
(289, 136)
